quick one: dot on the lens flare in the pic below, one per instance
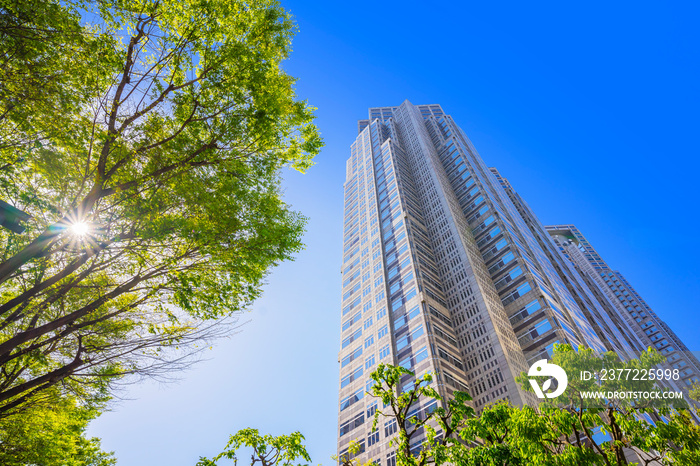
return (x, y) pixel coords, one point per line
(80, 228)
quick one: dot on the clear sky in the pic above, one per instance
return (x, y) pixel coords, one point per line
(590, 109)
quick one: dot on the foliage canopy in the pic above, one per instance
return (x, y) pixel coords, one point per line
(147, 147)
(567, 431)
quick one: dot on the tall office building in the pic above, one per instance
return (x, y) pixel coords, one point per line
(447, 270)
(627, 303)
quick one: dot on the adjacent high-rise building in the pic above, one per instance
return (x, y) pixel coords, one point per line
(626, 303)
(447, 270)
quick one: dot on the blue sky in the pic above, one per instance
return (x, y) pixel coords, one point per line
(589, 109)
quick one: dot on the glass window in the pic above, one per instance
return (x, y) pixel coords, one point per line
(421, 354)
(384, 352)
(390, 427)
(371, 409)
(351, 377)
(352, 399)
(411, 293)
(352, 338)
(369, 362)
(348, 323)
(351, 357)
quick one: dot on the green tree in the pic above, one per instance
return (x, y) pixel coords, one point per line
(50, 65)
(155, 195)
(266, 450)
(695, 392)
(567, 431)
(349, 458)
(450, 419)
(52, 434)
(655, 428)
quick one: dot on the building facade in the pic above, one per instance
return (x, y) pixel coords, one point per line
(446, 270)
(627, 303)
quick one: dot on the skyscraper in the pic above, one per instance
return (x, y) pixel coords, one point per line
(447, 270)
(626, 302)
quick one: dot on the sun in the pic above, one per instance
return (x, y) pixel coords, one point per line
(80, 228)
